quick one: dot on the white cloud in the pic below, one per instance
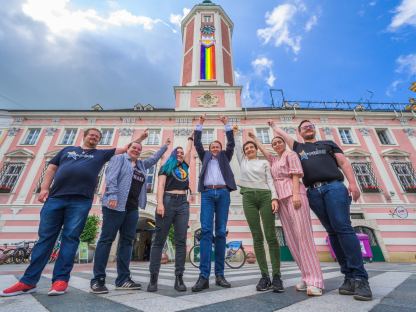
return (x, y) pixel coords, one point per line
(63, 21)
(405, 14)
(393, 87)
(406, 64)
(311, 23)
(281, 25)
(262, 65)
(176, 19)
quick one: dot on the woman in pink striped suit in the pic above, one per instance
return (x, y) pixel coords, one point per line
(294, 213)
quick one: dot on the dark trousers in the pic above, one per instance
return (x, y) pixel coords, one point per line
(69, 212)
(176, 213)
(113, 222)
(213, 202)
(331, 204)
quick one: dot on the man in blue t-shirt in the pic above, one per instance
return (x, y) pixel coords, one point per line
(324, 165)
(67, 203)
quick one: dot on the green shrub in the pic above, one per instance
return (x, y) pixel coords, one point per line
(90, 231)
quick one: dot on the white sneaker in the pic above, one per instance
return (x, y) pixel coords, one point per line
(301, 286)
(314, 291)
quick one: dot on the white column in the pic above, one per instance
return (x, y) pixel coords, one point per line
(411, 134)
(219, 64)
(7, 142)
(196, 50)
(39, 158)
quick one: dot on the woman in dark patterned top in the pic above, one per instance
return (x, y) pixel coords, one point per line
(172, 208)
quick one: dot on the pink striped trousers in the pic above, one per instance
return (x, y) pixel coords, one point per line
(297, 227)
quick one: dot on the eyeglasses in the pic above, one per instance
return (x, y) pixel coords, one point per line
(308, 127)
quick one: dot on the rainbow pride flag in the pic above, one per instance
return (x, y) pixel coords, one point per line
(207, 62)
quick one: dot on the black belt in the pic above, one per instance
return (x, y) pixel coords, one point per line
(175, 195)
(215, 187)
(322, 183)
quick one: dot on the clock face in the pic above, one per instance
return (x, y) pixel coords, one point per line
(207, 29)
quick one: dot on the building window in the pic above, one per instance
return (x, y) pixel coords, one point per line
(107, 135)
(31, 136)
(9, 175)
(384, 136)
(207, 136)
(207, 18)
(406, 175)
(365, 177)
(150, 179)
(346, 136)
(69, 136)
(357, 215)
(263, 135)
(41, 178)
(100, 179)
(154, 137)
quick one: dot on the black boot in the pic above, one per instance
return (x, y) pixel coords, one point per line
(201, 284)
(152, 287)
(179, 284)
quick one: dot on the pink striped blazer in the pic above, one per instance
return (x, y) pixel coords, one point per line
(282, 170)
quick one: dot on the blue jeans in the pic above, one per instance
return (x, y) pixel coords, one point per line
(331, 204)
(114, 221)
(213, 202)
(69, 213)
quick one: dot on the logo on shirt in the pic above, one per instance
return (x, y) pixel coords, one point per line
(74, 155)
(303, 155)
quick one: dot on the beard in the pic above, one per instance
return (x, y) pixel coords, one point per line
(309, 136)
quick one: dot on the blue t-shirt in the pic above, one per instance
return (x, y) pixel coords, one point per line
(78, 171)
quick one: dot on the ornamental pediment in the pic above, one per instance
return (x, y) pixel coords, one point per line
(394, 152)
(356, 152)
(51, 154)
(20, 153)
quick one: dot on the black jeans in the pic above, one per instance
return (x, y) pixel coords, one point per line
(114, 221)
(176, 213)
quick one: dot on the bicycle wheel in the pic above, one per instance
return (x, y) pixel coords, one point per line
(19, 255)
(195, 256)
(235, 258)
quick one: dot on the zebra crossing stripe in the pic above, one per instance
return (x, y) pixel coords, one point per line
(381, 286)
(18, 303)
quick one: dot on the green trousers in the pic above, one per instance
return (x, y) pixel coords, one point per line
(257, 205)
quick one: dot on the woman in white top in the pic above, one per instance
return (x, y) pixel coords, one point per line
(259, 203)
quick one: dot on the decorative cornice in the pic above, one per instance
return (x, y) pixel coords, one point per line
(126, 131)
(364, 131)
(182, 131)
(327, 130)
(409, 131)
(286, 118)
(50, 131)
(13, 131)
(207, 99)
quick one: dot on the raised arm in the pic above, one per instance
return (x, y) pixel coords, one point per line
(188, 149)
(198, 138)
(261, 147)
(47, 181)
(229, 149)
(280, 132)
(152, 160)
(140, 139)
(346, 168)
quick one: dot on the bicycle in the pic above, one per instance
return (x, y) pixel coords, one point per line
(235, 255)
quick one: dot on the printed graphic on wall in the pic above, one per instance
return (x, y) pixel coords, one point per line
(208, 53)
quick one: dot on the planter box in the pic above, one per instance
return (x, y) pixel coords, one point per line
(374, 189)
(410, 189)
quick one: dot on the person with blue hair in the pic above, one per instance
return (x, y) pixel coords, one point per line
(172, 208)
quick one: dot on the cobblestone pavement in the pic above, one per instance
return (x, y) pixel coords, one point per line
(393, 285)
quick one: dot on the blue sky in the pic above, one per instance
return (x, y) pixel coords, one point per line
(71, 54)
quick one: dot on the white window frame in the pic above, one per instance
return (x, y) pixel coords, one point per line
(410, 176)
(207, 18)
(106, 139)
(6, 177)
(74, 136)
(264, 135)
(207, 136)
(342, 135)
(388, 134)
(154, 137)
(33, 137)
(364, 174)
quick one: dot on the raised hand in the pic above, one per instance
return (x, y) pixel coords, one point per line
(224, 119)
(202, 119)
(252, 136)
(271, 123)
(235, 129)
(167, 142)
(144, 135)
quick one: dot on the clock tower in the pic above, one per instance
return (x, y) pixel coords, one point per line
(207, 75)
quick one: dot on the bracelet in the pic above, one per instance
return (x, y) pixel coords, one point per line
(190, 138)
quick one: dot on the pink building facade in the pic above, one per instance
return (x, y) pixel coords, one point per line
(379, 142)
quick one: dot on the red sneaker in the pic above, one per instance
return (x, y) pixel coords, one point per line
(58, 288)
(17, 289)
